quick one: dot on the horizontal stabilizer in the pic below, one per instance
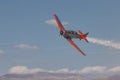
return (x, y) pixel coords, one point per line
(86, 33)
(83, 36)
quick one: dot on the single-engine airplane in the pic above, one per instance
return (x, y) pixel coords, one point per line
(70, 34)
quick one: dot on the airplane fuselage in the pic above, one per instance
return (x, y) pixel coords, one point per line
(69, 34)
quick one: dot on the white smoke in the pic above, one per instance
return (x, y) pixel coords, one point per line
(106, 43)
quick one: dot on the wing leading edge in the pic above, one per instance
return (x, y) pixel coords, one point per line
(76, 47)
(60, 26)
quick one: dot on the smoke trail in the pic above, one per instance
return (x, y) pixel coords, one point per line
(106, 43)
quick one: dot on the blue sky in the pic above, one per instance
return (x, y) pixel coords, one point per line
(26, 40)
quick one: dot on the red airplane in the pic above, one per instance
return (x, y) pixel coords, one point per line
(70, 34)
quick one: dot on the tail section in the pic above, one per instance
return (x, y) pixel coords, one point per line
(83, 36)
(86, 34)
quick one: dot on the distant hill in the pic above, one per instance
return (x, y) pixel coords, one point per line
(43, 76)
(112, 77)
(54, 76)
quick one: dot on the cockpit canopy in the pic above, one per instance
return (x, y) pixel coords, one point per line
(72, 32)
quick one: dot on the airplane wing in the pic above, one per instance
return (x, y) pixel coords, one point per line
(60, 26)
(75, 46)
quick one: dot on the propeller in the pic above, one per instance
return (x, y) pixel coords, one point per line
(61, 32)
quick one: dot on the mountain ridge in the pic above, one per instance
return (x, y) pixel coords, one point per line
(55, 76)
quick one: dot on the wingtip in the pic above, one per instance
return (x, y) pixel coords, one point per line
(83, 54)
(54, 14)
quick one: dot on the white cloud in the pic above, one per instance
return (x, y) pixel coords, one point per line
(24, 70)
(85, 70)
(2, 52)
(64, 70)
(96, 69)
(115, 69)
(65, 23)
(106, 43)
(53, 22)
(26, 46)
